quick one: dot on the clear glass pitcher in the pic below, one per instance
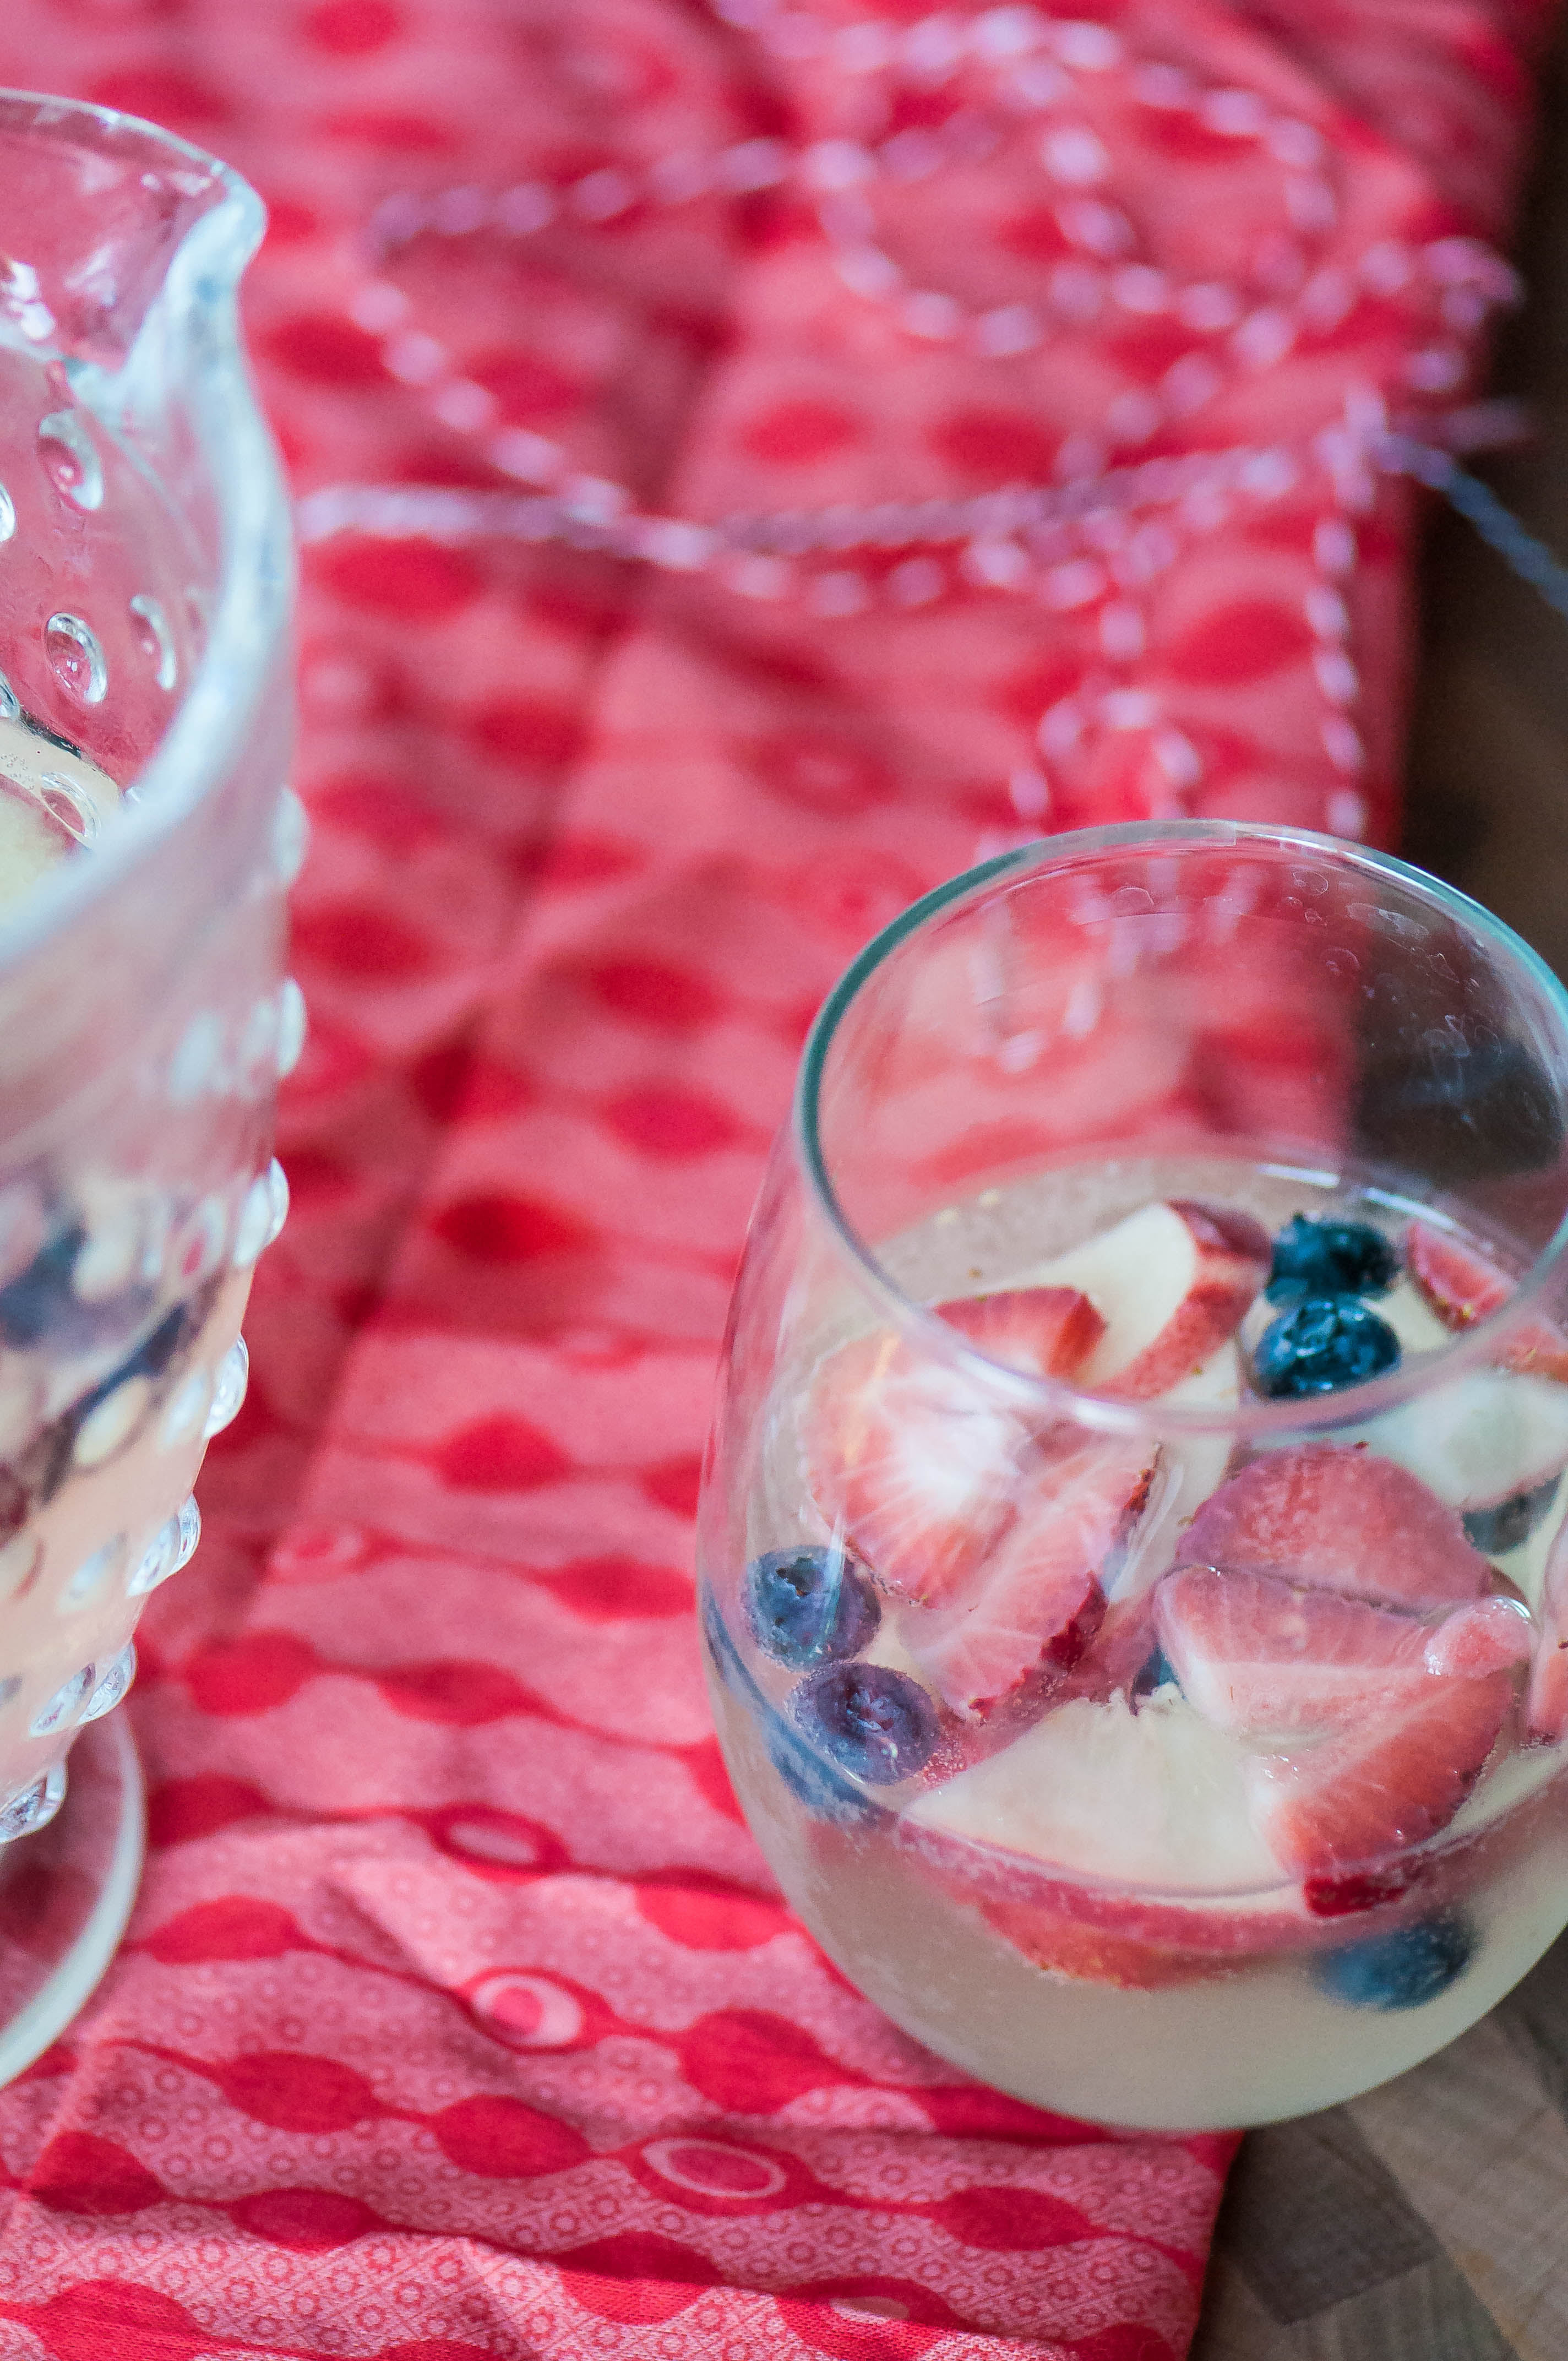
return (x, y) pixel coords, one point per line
(145, 725)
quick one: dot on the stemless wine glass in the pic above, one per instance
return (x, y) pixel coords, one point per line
(145, 595)
(1135, 1579)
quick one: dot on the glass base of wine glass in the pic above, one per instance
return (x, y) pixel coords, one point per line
(67, 1893)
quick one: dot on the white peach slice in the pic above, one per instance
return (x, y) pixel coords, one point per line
(1172, 1282)
(1483, 1437)
(1153, 1797)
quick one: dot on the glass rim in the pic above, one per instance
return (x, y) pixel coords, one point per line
(212, 717)
(1469, 1348)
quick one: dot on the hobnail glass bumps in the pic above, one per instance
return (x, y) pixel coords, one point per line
(147, 839)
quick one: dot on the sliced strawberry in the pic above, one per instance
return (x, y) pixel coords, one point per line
(909, 1463)
(1068, 1946)
(916, 1460)
(1048, 1331)
(1119, 1652)
(1381, 1784)
(1462, 1287)
(1330, 1519)
(1490, 1635)
(1546, 1707)
(1032, 1607)
(1111, 1933)
(1257, 1655)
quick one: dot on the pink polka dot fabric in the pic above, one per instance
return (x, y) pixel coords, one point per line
(459, 2017)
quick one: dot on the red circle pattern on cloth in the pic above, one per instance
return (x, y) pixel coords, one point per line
(459, 2017)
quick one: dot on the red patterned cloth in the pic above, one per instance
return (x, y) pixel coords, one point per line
(459, 2017)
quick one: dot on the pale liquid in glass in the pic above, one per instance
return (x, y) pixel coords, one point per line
(1247, 2029)
(120, 1304)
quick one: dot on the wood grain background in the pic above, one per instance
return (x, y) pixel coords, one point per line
(1487, 774)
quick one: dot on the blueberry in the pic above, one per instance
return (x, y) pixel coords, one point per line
(1157, 1673)
(38, 1300)
(40, 1306)
(1512, 1521)
(1403, 1968)
(810, 1605)
(151, 1358)
(826, 1795)
(1326, 1343)
(878, 1724)
(158, 1349)
(1322, 1258)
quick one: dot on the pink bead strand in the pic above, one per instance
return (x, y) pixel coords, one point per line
(1073, 547)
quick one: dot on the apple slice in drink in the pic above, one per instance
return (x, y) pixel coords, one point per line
(1172, 1282)
(1511, 1445)
(1412, 1319)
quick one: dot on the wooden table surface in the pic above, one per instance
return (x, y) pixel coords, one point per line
(1486, 773)
(1429, 2221)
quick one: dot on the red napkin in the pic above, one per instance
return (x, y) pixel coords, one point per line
(459, 2016)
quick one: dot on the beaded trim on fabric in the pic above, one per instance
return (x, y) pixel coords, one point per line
(1092, 542)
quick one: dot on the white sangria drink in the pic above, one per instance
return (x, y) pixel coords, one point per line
(122, 1288)
(1135, 1587)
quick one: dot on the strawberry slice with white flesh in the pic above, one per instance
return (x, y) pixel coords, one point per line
(1385, 1782)
(1172, 1283)
(1546, 1707)
(1037, 1600)
(1262, 1658)
(916, 1460)
(1329, 1519)
(1462, 1287)
(1046, 1332)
